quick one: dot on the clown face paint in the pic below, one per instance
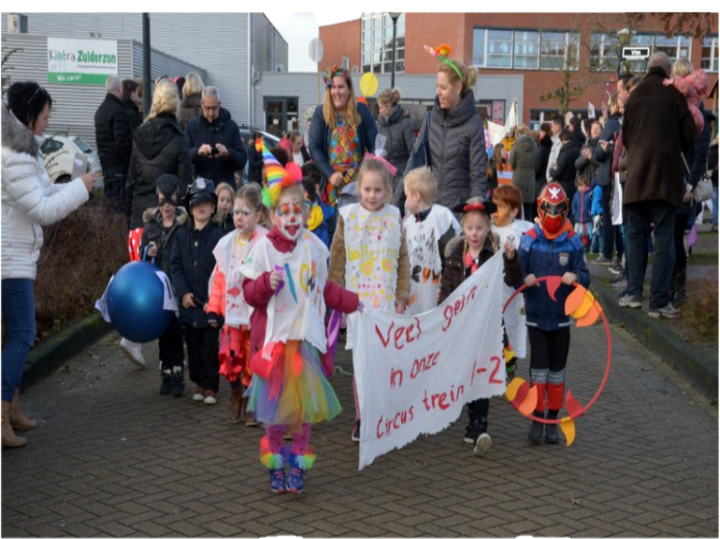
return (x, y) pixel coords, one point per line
(244, 217)
(289, 216)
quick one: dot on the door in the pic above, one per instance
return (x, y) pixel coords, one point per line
(281, 114)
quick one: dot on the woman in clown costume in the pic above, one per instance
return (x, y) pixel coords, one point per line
(285, 280)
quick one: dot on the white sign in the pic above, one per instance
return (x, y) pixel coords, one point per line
(81, 61)
(636, 53)
(591, 111)
(414, 374)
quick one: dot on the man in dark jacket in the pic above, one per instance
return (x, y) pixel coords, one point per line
(657, 127)
(129, 99)
(216, 150)
(114, 142)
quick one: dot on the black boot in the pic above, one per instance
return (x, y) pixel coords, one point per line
(678, 290)
(552, 435)
(166, 384)
(178, 382)
(536, 429)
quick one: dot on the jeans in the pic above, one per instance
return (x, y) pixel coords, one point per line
(18, 311)
(640, 215)
(715, 207)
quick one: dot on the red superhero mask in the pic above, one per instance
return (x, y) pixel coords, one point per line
(552, 208)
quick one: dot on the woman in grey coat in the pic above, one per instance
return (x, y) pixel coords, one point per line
(456, 139)
(395, 125)
(522, 160)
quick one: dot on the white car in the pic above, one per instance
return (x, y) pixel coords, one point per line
(59, 154)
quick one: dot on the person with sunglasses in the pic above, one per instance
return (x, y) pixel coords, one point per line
(29, 201)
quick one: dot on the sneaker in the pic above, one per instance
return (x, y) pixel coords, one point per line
(166, 385)
(287, 436)
(634, 302)
(133, 351)
(666, 312)
(355, 437)
(250, 420)
(198, 394)
(295, 479)
(616, 268)
(277, 480)
(602, 261)
(178, 384)
(210, 397)
(482, 444)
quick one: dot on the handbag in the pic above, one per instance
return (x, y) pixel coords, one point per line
(703, 190)
(420, 156)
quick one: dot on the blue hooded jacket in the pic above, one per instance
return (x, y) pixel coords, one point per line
(543, 257)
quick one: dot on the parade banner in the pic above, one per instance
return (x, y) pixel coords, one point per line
(81, 61)
(414, 374)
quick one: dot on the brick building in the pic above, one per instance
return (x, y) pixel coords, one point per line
(541, 47)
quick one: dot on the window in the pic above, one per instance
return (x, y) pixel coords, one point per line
(709, 60)
(377, 31)
(80, 143)
(525, 49)
(499, 48)
(606, 50)
(479, 36)
(51, 146)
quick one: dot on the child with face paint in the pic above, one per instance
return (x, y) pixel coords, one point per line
(226, 296)
(551, 247)
(191, 268)
(224, 216)
(157, 242)
(463, 256)
(369, 253)
(285, 281)
(509, 203)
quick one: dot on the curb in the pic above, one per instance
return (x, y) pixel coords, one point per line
(699, 366)
(48, 357)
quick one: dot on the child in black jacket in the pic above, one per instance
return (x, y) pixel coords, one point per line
(157, 242)
(192, 265)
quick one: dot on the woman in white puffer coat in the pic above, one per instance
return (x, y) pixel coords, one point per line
(29, 201)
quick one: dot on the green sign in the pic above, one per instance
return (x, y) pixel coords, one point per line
(81, 61)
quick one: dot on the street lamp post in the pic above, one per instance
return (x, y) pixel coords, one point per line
(394, 16)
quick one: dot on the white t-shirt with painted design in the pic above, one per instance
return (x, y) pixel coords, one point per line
(297, 311)
(372, 251)
(424, 254)
(230, 252)
(515, 315)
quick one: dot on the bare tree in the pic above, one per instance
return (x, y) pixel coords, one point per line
(7, 52)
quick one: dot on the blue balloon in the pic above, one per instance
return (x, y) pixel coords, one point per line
(135, 302)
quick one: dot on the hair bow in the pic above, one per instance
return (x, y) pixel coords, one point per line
(441, 53)
(390, 168)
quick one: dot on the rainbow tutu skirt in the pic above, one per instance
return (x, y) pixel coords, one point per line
(288, 386)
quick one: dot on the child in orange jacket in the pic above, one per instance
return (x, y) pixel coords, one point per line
(227, 302)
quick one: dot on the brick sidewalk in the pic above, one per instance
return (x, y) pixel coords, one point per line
(113, 458)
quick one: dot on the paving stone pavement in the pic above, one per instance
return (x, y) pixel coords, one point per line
(111, 457)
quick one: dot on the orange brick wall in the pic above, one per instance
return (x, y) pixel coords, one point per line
(342, 39)
(456, 29)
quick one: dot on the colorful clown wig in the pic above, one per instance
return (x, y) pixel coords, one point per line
(278, 177)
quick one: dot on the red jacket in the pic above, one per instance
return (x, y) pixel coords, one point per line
(258, 294)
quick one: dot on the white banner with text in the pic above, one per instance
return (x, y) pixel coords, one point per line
(414, 374)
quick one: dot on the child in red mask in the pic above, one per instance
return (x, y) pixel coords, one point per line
(550, 248)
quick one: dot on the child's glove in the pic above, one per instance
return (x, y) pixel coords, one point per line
(596, 221)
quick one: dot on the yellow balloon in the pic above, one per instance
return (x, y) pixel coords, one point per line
(368, 84)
